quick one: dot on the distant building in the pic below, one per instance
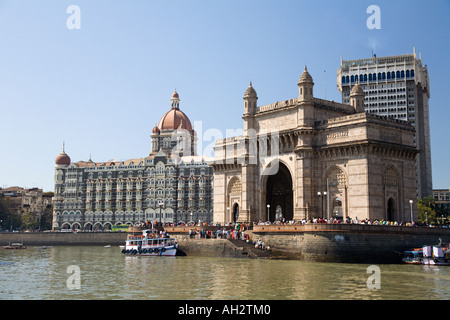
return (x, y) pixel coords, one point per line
(396, 87)
(23, 200)
(171, 185)
(442, 198)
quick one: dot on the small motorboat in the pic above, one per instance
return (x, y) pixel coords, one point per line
(15, 246)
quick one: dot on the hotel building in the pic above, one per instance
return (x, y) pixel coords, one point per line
(396, 87)
(170, 185)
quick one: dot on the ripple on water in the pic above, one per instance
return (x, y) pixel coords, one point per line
(108, 274)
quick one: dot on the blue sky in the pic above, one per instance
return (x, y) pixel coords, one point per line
(102, 88)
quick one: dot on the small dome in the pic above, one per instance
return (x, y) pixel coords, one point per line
(175, 95)
(156, 130)
(62, 159)
(357, 90)
(305, 77)
(250, 92)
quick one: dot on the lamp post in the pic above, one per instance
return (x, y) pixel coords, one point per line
(321, 195)
(410, 205)
(268, 209)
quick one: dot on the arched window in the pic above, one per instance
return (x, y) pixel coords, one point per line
(365, 77)
(407, 73)
(352, 79)
(391, 177)
(370, 77)
(343, 79)
(361, 78)
(402, 74)
(393, 75)
(388, 75)
(383, 75)
(412, 73)
(347, 79)
(398, 74)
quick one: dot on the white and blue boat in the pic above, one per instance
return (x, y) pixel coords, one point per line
(149, 243)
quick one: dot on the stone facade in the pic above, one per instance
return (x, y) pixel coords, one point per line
(307, 157)
(172, 184)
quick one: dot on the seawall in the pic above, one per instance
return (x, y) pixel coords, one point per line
(347, 242)
(314, 242)
(63, 238)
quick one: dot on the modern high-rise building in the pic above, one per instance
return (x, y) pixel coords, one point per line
(397, 87)
(170, 185)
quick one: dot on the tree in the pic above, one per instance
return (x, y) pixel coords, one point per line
(4, 212)
(429, 211)
(28, 221)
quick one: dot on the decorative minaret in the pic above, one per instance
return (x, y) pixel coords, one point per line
(250, 100)
(305, 87)
(249, 158)
(357, 98)
(62, 161)
(155, 139)
(305, 100)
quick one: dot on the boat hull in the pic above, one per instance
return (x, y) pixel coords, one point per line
(151, 252)
(435, 262)
(14, 247)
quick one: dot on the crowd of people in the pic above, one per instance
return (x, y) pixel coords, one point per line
(347, 220)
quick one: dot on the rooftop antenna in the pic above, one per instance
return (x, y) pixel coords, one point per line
(325, 83)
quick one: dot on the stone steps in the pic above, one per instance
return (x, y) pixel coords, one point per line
(248, 249)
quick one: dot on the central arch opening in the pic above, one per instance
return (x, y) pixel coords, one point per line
(279, 195)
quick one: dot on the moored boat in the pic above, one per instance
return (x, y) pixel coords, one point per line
(413, 256)
(149, 243)
(438, 255)
(15, 246)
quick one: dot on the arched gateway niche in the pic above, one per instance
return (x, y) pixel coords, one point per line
(336, 184)
(279, 195)
(234, 198)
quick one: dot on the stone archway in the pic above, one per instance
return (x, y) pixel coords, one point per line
(279, 195)
(233, 199)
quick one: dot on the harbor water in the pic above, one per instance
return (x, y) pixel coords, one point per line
(100, 273)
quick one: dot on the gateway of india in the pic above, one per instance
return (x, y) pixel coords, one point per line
(308, 158)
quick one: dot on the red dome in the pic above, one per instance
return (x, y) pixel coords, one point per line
(63, 159)
(172, 120)
(156, 130)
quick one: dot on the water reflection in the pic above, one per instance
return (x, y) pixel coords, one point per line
(108, 274)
